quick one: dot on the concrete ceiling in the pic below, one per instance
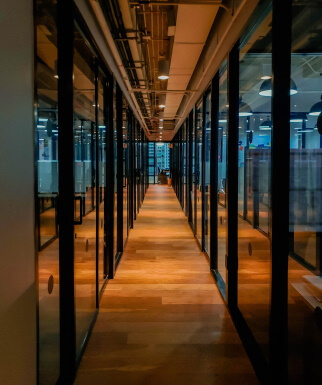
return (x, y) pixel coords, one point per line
(192, 28)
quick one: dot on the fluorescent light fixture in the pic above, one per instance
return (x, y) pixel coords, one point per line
(222, 120)
(266, 77)
(40, 126)
(43, 119)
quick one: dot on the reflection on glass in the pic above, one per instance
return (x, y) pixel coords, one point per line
(162, 157)
(101, 137)
(254, 154)
(199, 176)
(125, 172)
(151, 163)
(46, 134)
(115, 171)
(222, 171)
(84, 156)
(207, 170)
(305, 285)
(184, 171)
(193, 168)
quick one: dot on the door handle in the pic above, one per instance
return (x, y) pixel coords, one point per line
(80, 221)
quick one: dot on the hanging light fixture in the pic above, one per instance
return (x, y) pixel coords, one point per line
(298, 117)
(244, 109)
(161, 116)
(266, 125)
(163, 69)
(56, 69)
(266, 88)
(162, 100)
(316, 109)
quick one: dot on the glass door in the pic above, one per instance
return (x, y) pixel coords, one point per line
(85, 187)
(222, 207)
(199, 176)
(305, 261)
(207, 171)
(46, 161)
(101, 159)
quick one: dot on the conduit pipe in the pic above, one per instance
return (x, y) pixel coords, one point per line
(109, 39)
(130, 24)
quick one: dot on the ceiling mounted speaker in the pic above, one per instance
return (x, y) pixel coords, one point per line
(162, 100)
(163, 69)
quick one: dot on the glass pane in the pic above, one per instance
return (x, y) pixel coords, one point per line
(199, 131)
(46, 134)
(207, 170)
(254, 149)
(125, 172)
(102, 269)
(151, 163)
(84, 155)
(115, 170)
(305, 284)
(184, 146)
(193, 167)
(222, 219)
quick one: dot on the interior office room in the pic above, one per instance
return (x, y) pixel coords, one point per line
(161, 192)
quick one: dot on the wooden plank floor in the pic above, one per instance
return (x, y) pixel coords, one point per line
(162, 320)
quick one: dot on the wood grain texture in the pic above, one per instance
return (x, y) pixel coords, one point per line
(162, 320)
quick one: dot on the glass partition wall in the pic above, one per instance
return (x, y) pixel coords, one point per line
(46, 159)
(199, 171)
(254, 154)
(85, 188)
(273, 286)
(76, 163)
(207, 154)
(305, 283)
(221, 199)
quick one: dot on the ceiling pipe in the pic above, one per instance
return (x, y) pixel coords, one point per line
(129, 21)
(184, 2)
(109, 39)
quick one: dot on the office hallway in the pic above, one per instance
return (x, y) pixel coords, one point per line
(162, 320)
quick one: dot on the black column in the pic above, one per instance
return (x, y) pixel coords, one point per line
(119, 168)
(190, 167)
(110, 188)
(232, 175)
(281, 66)
(66, 190)
(214, 173)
